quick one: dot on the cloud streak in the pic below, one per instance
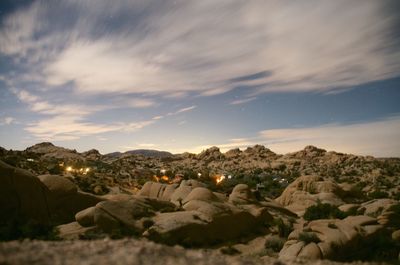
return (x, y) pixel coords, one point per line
(242, 101)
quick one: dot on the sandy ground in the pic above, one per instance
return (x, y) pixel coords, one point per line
(125, 251)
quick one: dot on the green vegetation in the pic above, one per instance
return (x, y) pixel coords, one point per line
(323, 211)
(381, 249)
(309, 237)
(20, 228)
(284, 229)
(378, 194)
(332, 225)
(275, 243)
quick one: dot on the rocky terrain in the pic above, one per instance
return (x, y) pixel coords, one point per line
(255, 165)
(238, 207)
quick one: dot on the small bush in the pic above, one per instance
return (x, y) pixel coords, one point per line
(229, 250)
(378, 194)
(275, 243)
(332, 225)
(354, 211)
(20, 229)
(284, 229)
(309, 237)
(395, 208)
(323, 211)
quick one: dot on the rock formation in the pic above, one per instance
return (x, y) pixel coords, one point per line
(308, 190)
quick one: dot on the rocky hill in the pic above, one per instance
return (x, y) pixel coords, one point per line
(254, 166)
(143, 152)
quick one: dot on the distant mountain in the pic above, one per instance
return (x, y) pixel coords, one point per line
(143, 152)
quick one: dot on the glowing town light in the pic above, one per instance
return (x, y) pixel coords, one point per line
(199, 175)
(230, 176)
(163, 171)
(69, 169)
(219, 179)
(165, 178)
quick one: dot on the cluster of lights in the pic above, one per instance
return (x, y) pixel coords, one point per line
(81, 170)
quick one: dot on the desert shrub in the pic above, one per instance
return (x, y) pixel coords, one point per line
(396, 196)
(378, 194)
(381, 249)
(275, 243)
(309, 237)
(332, 225)
(354, 211)
(283, 228)
(355, 195)
(395, 208)
(229, 250)
(20, 228)
(323, 211)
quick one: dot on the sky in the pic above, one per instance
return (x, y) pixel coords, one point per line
(185, 75)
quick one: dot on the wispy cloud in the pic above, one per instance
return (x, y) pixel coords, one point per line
(7, 121)
(186, 109)
(63, 128)
(242, 101)
(178, 46)
(64, 122)
(379, 138)
(140, 103)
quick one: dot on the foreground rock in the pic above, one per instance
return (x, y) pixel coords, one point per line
(22, 196)
(206, 222)
(43, 200)
(188, 214)
(123, 252)
(64, 200)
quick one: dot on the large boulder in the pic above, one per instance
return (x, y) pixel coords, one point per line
(73, 231)
(202, 223)
(307, 191)
(386, 210)
(86, 217)
(157, 190)
(331, 238)
(241, 194)
(130, 215)
(169, 192)
(64, 200)
(58, 186)
(201, 194)
(22, 196)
